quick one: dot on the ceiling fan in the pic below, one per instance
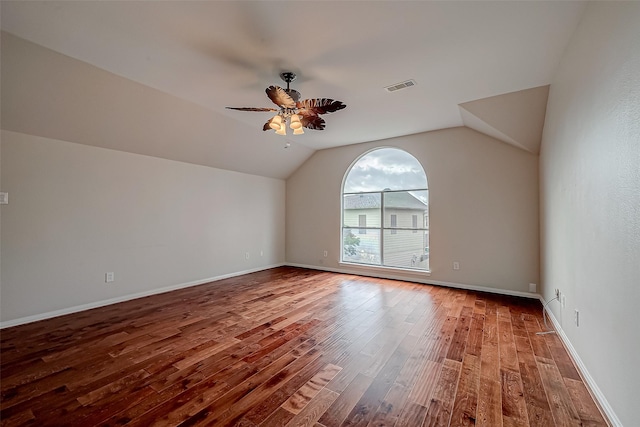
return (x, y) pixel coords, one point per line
(299, 114)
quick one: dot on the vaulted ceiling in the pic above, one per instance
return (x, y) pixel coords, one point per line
(465, 57)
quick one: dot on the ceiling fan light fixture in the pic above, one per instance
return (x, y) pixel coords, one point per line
(298, 131)
(295, 122)
(282, 130)
(276, 122)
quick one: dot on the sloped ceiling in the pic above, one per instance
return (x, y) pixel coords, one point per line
(48, 94)
(217, 54)
(516, 118)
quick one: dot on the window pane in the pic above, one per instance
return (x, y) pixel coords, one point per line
(404, 205)
(356, 205)
(361, 248)
(406, 249)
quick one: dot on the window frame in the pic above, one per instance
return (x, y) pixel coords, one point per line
(423, 225)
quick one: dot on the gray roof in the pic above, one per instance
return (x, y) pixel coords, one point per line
(399, 200)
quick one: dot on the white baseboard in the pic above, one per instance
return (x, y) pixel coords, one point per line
(426, 280)
(586, 376)
(83, 307)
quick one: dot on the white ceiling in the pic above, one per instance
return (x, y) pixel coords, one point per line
(225, 53)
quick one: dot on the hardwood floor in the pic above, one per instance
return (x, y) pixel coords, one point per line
(293, 347)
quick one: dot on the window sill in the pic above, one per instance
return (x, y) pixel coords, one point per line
(386, 268)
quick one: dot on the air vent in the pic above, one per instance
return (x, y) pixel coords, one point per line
(399, 86)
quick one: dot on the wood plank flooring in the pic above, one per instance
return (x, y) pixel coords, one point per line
(295, 347)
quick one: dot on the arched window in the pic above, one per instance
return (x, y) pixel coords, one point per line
(385, 211)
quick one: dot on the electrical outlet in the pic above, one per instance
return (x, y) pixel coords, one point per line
(261, 253)
(109, 277)
(456, 265)
(576, 317)
(246, 255)
(326, 253)
(533, 287)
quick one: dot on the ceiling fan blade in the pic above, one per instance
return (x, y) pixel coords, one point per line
(251, 109)
(266, 125)
(320, 105)
(294, 94)
(311, 121)
(280, 97)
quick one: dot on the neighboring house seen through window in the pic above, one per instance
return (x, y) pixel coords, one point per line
(385, 211)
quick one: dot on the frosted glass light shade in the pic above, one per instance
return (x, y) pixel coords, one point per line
(276, 123)
(295, 122)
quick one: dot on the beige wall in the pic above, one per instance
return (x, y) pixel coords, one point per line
(77, 212)
(483, 208)
(590, 199)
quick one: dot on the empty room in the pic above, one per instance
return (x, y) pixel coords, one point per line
(319, 213)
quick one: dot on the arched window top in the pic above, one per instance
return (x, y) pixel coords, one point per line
(385, 169)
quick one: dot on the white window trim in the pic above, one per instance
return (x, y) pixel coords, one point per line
(386, 267)
(424, 272)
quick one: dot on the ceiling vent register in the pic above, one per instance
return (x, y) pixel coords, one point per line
(399, 86)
